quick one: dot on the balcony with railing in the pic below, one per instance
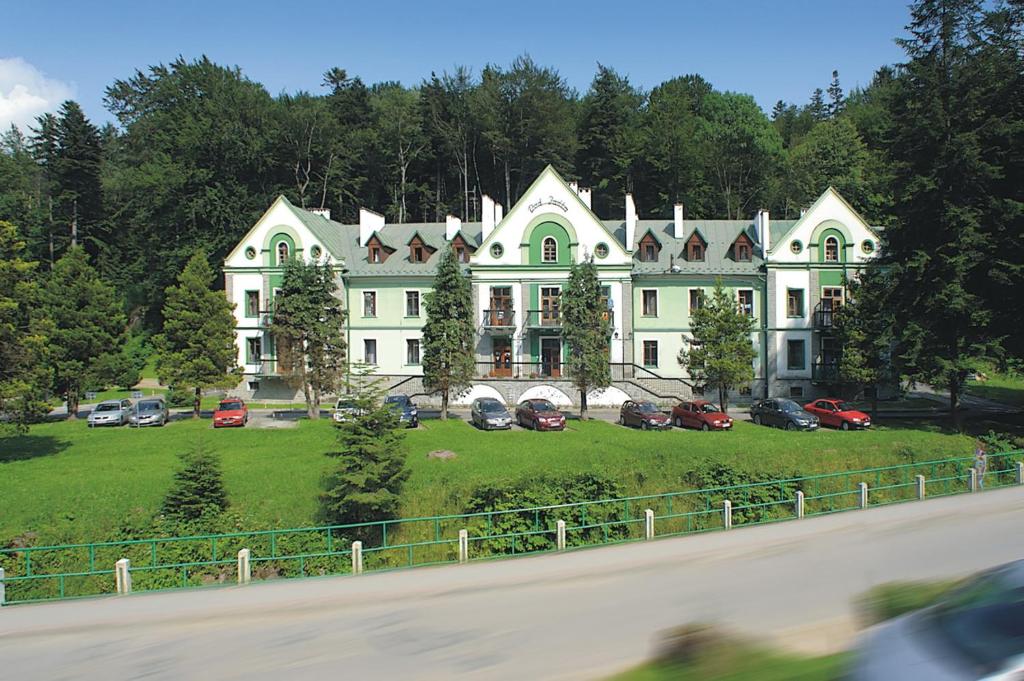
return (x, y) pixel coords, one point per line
(825, 372)
(500, 320)
(825, 315)
(267, 366)
(266, 318)
(543, 319)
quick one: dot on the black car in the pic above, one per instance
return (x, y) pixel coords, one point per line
(406, 409)
(487, 413)
(782, 413)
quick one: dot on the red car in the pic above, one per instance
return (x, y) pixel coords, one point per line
(700, 414)
(231, 412)
(838, 414)
(539, 415)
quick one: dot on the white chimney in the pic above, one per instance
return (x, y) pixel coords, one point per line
(574, 186)
(677, 221)
(499, 213)
(630, 221)
(486, 216)
(325, 213)
(369, 222)
(763, 224)
(585, 196)
(452, 225)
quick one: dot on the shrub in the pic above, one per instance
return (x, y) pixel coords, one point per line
(752, 501)
(178, 397)
(198, 490)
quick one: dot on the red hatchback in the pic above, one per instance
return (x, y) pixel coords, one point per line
(539, 415)
(700, 414)
(231, 412)
(838, 414)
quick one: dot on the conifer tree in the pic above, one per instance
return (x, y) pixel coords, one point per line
(836, 101)
(448, 364)
(198, 490)
(196, 349)
(721, 353)
(88, 323)
(818, 107)
(309, 331)
(587, 331)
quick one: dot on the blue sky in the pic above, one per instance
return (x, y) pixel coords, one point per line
(772, 50)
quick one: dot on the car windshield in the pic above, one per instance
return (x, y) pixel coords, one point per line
(709, 408)
(844, 406)
(397, 400)
(789, 406)
(150, 406)
(492, 407)
(646, 407)
(342, 404)
(230, 406)
(542, 405)
(108, 406)
(983, 620)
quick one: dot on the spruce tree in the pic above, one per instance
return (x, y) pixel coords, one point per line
(196, 348)
(587, 331)
(77, 175)
(448, 352)
(309, 331)
(818, 108)
(860, 326)
(366, 483)
(720, 354)
(198, 491)
(88, 323)
(836, 101)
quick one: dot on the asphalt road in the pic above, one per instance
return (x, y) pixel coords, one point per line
(580, 615)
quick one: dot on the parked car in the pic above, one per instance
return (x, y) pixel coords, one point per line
(345, 409)
(406, 408)
(539, 415)
(782, 413)
(487, 413)
(700, 414)
(975, 632)
(838, 414)
(110, 413)
(644, 414)
(232, 411)
(149, 412)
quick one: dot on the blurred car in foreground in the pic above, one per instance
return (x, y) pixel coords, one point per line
(345, 409)
(110, 413)
(700, 414)
(782, 413)
(645, 415)
(539, 415)
(487, 413)
(838, 414)
(232, 412)
(405, 408)
(976, 632)
(149, 412)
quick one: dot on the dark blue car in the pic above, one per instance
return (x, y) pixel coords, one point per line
(406, 409)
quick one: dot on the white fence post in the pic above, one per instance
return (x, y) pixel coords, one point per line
(560, 535)
(357, 557)
(3, 589)
(972, 479)
(1020, 472)
(862, 488)
(244, 568)
(799, 504)
(463, 546)
(123, 576)
(920, 487)
(727, 514)
(649, 524)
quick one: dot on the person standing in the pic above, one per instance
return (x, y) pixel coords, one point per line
(980, 462)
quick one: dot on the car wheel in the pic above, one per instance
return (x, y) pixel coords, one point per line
(679, 422)
(705, 427)
(845, 425)
(644, 425)
(622, 420)
(757, 419)
(790, 426)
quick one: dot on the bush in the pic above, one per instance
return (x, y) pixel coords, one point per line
(178, 397)
(198, 490)
(749, 493)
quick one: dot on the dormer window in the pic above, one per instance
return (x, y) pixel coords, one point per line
(375, 255)
(462, 249)
(743, 252)
(831, 249)
(549, 250)
(461, 255)
(695, 248)
(417, 254)
(419, 251)
(376, 251)
(649, 248)
(742, 248)
(282, 252)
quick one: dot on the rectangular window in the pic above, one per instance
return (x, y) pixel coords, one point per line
(370, 350)
(795, 302)
(650, 302)
(795, 360)
(412, 303)
(696, 251)
(650, 253)
(254, 386)
(252, 303)
(745, 391)
(696, 299)
(461, 254)
(375, 256)
(746, 299)
(550, 299)
(796, 391)
(418, 254)
(369, 303)
(252, 350)
(412, 351)
(650, 353)
(606, 302)
(743, 252)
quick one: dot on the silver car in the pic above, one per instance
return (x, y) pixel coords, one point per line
(149, 412)
(976, 632)
(488, 413)
(110, 413)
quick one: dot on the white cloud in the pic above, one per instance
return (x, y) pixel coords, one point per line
(25, 92)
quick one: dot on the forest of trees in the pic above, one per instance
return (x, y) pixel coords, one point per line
(930, 148)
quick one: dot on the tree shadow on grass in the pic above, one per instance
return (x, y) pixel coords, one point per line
(24, 447)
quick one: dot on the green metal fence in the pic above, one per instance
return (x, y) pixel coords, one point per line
(70, 571)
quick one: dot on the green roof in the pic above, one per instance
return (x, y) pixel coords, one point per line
(718, 234)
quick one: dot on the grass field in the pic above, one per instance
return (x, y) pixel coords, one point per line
(1001, 387)
(67, 483)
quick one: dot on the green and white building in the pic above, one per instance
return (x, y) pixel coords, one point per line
(788, 275)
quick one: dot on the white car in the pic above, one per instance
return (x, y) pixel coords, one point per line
(110, 413)
(345, 410)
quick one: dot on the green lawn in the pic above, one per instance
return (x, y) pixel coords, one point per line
(739, 661)
(67, 483)
(1001, 387)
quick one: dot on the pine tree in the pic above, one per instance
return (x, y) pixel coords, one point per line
(198, 491)
(366, 484)
(24, 366)
(448, 364)
(88, 323)
(76, 171)
(721, 353)
(196, 348)
(587, 331)
(836, 101)
(309, 331)
(817, 107)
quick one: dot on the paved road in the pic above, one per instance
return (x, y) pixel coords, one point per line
(580, 615)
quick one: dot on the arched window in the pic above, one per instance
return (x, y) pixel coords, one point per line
(282, 252)
(831, 249)
(549, 250)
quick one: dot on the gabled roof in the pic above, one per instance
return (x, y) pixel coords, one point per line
(778, 229)
(652, 235)
(718, 236)
(696, 233)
